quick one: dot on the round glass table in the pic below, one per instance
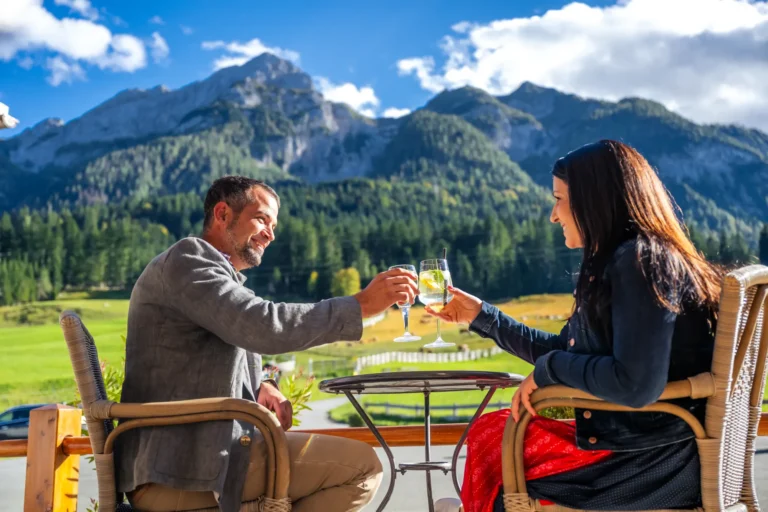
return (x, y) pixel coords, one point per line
(425, 383)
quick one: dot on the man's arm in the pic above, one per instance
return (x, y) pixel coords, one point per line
(202, 289)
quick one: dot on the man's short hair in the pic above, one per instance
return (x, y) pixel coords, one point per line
(233, 190)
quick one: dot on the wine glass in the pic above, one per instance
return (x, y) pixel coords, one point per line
(434, 280)
(405, 307)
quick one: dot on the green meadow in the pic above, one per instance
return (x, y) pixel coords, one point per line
(36, 368)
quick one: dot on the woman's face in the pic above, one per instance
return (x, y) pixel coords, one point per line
(561, 214)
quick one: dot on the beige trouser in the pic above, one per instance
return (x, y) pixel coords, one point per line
(328, 474)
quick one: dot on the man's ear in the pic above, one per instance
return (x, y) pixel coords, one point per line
(221, 211)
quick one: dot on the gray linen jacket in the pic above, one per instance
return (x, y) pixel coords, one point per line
(194, 331)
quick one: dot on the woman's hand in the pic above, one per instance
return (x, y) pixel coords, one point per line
(523, 394)
(463, 308)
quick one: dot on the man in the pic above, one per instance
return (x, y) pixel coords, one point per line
(195, 331)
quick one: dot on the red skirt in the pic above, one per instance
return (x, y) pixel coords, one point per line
(550, 448)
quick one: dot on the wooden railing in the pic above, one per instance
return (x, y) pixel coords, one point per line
(54, 446)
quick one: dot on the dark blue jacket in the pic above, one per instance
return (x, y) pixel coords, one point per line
(651, 346)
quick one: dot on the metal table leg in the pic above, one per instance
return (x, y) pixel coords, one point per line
(454, 472)
(372, 427)
(427, 441)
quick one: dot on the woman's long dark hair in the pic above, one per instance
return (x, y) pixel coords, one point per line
(615, 196)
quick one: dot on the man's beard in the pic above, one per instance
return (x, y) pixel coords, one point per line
(249, 255)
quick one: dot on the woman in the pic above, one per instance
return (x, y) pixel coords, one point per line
(644, 315)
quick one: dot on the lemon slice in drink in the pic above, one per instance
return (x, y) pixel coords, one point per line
(432, 281)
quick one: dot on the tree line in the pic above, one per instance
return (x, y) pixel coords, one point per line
(331, 239)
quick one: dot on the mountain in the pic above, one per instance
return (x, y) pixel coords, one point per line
(727, 164)
(265, 119)
(717, 174)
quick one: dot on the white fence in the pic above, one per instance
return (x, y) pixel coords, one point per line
(368, 322)
(421, 357)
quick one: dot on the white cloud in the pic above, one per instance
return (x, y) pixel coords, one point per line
(396, 112)
(187, 31)
(126, 53)
(26, 26)
(159, 48)
(63, 71)
(118, 21)
(82, 7)
(705, 59)
(423, 68)
(213, 45)
(156, 20)
(26, 62)
(362, 99)
(238, 53)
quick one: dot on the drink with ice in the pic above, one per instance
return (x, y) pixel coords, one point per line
(434, 280)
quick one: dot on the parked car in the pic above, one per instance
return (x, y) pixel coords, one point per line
(14, 423)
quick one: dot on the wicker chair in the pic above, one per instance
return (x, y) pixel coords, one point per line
(733, 388)
(100, 414)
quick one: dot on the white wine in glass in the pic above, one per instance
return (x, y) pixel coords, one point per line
(405, 308)
(434, 280)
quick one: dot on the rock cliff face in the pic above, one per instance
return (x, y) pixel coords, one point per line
(265, 82)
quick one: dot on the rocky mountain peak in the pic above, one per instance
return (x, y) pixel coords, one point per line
(135, 114)
(266, 69)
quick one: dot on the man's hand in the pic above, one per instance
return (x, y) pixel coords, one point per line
(523, 394)
(462, 309)
(396, 285)
(271, 398)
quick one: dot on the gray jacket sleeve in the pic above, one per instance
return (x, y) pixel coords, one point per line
(201, 285)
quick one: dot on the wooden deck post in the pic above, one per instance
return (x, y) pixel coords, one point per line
(52, 476)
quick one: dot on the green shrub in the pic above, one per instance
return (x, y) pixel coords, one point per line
(354, 420)
(558, 413)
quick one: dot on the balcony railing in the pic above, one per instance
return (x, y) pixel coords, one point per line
(54, 447)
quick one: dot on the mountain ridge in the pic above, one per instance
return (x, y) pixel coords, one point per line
(266, 119)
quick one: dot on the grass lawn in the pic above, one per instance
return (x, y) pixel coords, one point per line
(36, 367)
(35, 362)
(547, 312)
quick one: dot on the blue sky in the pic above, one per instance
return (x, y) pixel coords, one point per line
(396, 51)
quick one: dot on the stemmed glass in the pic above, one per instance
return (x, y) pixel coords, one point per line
(405, 307)
(434, 280)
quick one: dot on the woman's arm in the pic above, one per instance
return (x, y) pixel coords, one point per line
(636, 373)
(515, 337)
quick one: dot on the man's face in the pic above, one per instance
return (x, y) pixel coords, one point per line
(251, 232)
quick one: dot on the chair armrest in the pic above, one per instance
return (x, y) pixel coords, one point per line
(698, 386)
(183, 412)
(105, 409)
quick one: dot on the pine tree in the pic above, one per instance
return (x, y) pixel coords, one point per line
(44, 285)
(8, 243)
(276, 282)
(7, 289)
